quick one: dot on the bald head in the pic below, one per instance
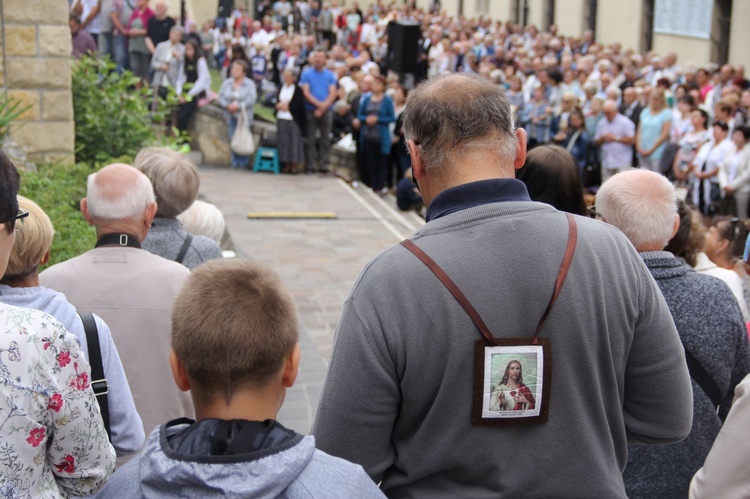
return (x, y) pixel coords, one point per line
(610, 109)
(118, 192)
(642, 204)
(448, 114)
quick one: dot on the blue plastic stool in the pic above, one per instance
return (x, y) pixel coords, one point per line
(267, 160)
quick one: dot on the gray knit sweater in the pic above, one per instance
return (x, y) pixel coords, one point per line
(710, 325)
(398, 395)
(166, 236)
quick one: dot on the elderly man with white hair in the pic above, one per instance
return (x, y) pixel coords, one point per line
(642, 204)
(128, 287)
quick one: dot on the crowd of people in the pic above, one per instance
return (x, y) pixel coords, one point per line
(649, 305)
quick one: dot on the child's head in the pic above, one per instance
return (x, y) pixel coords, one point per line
(234, 327)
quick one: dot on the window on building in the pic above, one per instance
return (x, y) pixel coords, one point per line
(720, 31)
(549, 13)
(590, 15)
(483, 7)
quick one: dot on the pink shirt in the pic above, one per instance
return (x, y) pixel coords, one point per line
(145, 16)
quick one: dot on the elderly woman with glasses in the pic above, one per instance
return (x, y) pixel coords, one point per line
(53, 438)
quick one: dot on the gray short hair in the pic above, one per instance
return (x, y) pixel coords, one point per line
(642, 204)
(203, 219)
(126, 205)
(449, 114)
(174, 177)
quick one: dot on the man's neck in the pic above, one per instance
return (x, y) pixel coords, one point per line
(250, 405)
(119, 227)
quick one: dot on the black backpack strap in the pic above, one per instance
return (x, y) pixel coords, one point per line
(704, 380)
(184, 249)
(98, 381)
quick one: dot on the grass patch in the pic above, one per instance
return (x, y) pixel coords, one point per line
(262, 112)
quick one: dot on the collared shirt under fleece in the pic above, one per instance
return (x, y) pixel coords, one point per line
(398, 394)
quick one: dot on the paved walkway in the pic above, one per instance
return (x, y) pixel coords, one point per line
(318, 260)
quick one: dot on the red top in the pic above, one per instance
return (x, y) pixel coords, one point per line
(145, 16)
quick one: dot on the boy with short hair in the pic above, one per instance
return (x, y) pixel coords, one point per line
(235, 347)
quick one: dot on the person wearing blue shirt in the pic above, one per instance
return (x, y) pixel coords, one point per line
(319, 87)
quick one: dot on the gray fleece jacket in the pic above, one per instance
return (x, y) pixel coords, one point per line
(398, 394)
(710, 324)
(166, 236)
(236, 459)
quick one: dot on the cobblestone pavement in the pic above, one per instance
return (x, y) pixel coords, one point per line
(318, 259)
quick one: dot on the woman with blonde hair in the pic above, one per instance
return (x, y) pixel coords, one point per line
(652, 135)
(20, 287)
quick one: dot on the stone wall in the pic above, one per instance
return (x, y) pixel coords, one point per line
(35, 69)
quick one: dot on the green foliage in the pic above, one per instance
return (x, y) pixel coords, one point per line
(58, 189)
(112, 117)
(10, 109)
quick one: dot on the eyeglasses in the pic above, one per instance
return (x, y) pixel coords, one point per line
(594, 214)
(11, 224)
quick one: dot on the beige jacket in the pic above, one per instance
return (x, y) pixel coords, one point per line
(726, 472)
(133, 291)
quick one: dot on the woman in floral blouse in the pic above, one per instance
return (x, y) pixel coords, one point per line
(52, 439)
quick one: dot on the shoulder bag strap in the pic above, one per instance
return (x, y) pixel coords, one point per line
(702, 378)
(572, 141)
(98, 381)
(466, 304)
(184, 248)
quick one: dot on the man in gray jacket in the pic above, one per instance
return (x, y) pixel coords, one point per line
(708, 320)
(401, 386)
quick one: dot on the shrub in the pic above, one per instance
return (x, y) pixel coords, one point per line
(112, 116)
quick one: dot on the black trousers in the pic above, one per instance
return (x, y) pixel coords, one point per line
(377, 164)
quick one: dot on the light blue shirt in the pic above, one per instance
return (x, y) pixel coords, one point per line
(651, 126)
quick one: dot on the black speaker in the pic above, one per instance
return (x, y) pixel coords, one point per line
(403, 46)
(225, 8)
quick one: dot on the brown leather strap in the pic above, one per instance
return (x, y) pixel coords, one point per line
(451, 286)
(466, 304)
(562, 273)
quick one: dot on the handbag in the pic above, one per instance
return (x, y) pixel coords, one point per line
(243, 143)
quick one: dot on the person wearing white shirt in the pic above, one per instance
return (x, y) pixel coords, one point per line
(726, 472)
(705, 168)
(734, 174)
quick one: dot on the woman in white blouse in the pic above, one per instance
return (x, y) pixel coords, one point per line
(705, 169)
(194, 72)
(734, 175)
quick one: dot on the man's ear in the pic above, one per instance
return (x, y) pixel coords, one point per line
(178, 372)
(520, 159)
(149, 214)
(676, 225)
(417, 163)
(45, 258)
(85, 211)
(291, 367)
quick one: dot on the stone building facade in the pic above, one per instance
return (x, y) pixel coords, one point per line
(35, 50)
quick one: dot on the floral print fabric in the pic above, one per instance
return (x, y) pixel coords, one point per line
(52, 439)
